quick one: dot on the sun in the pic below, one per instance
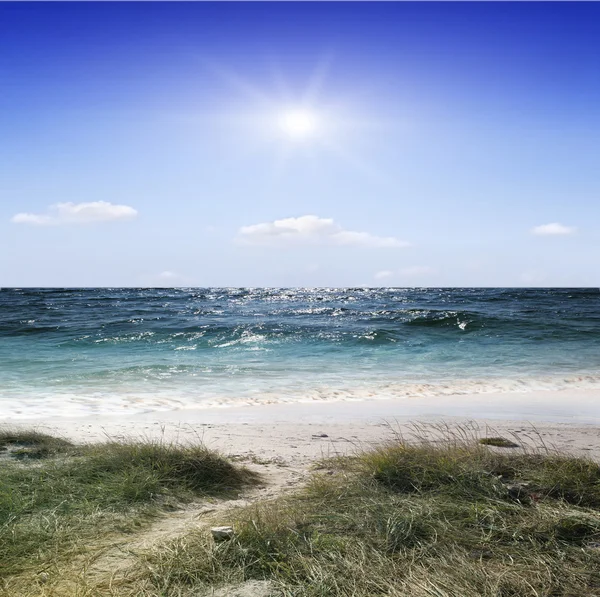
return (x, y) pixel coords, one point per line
(298, 124)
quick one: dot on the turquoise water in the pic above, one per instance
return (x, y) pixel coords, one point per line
(84, 351)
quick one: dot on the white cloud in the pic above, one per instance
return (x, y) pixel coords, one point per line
(533, 278)
(412, 271)
(416, 270)
(554, 229)
(312, 230)
(77, 213)
(168, 276)
(166, 279)
(382, 275)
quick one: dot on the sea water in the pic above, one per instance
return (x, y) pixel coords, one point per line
(71, 352)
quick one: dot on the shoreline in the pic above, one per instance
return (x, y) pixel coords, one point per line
(300, 433)
(125, 401)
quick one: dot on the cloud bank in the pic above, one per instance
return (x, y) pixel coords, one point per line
(77, 213)
(417, 270)
(312, 230)
(169, 279)
(405, 272)
(383, 274)
(554, 229)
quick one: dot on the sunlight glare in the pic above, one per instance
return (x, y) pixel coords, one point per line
(298, 123)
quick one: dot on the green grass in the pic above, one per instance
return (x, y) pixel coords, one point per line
(56, 497)
(453, 518)
(469, 471)
(425, 520)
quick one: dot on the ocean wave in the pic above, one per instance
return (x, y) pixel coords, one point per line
(270, 341)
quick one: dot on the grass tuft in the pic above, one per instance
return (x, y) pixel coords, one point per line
(468, 470)
(498, 442)
(31, 444)
(154, 466)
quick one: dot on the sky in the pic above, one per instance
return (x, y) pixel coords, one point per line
(299, 144)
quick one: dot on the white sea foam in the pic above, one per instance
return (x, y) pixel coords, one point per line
(193, 395)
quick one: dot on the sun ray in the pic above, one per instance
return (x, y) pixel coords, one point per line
(283, 89)
(349, 158)
(307, 119)
(281, 162)
(316, 81)
(241, 85)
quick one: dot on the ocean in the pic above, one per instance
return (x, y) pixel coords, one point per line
(77, 352)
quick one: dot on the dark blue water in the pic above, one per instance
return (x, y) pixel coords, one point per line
(82, 351)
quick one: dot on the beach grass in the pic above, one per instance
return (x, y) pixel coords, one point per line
(58, 499)
(31, 443)
(423, 520)
(498, 442)
(448, 517)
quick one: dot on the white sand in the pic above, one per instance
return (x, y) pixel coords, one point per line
(296, 434)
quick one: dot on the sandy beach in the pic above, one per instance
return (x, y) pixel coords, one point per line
(298, 434)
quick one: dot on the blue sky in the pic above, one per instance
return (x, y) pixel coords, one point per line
(300, 144)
